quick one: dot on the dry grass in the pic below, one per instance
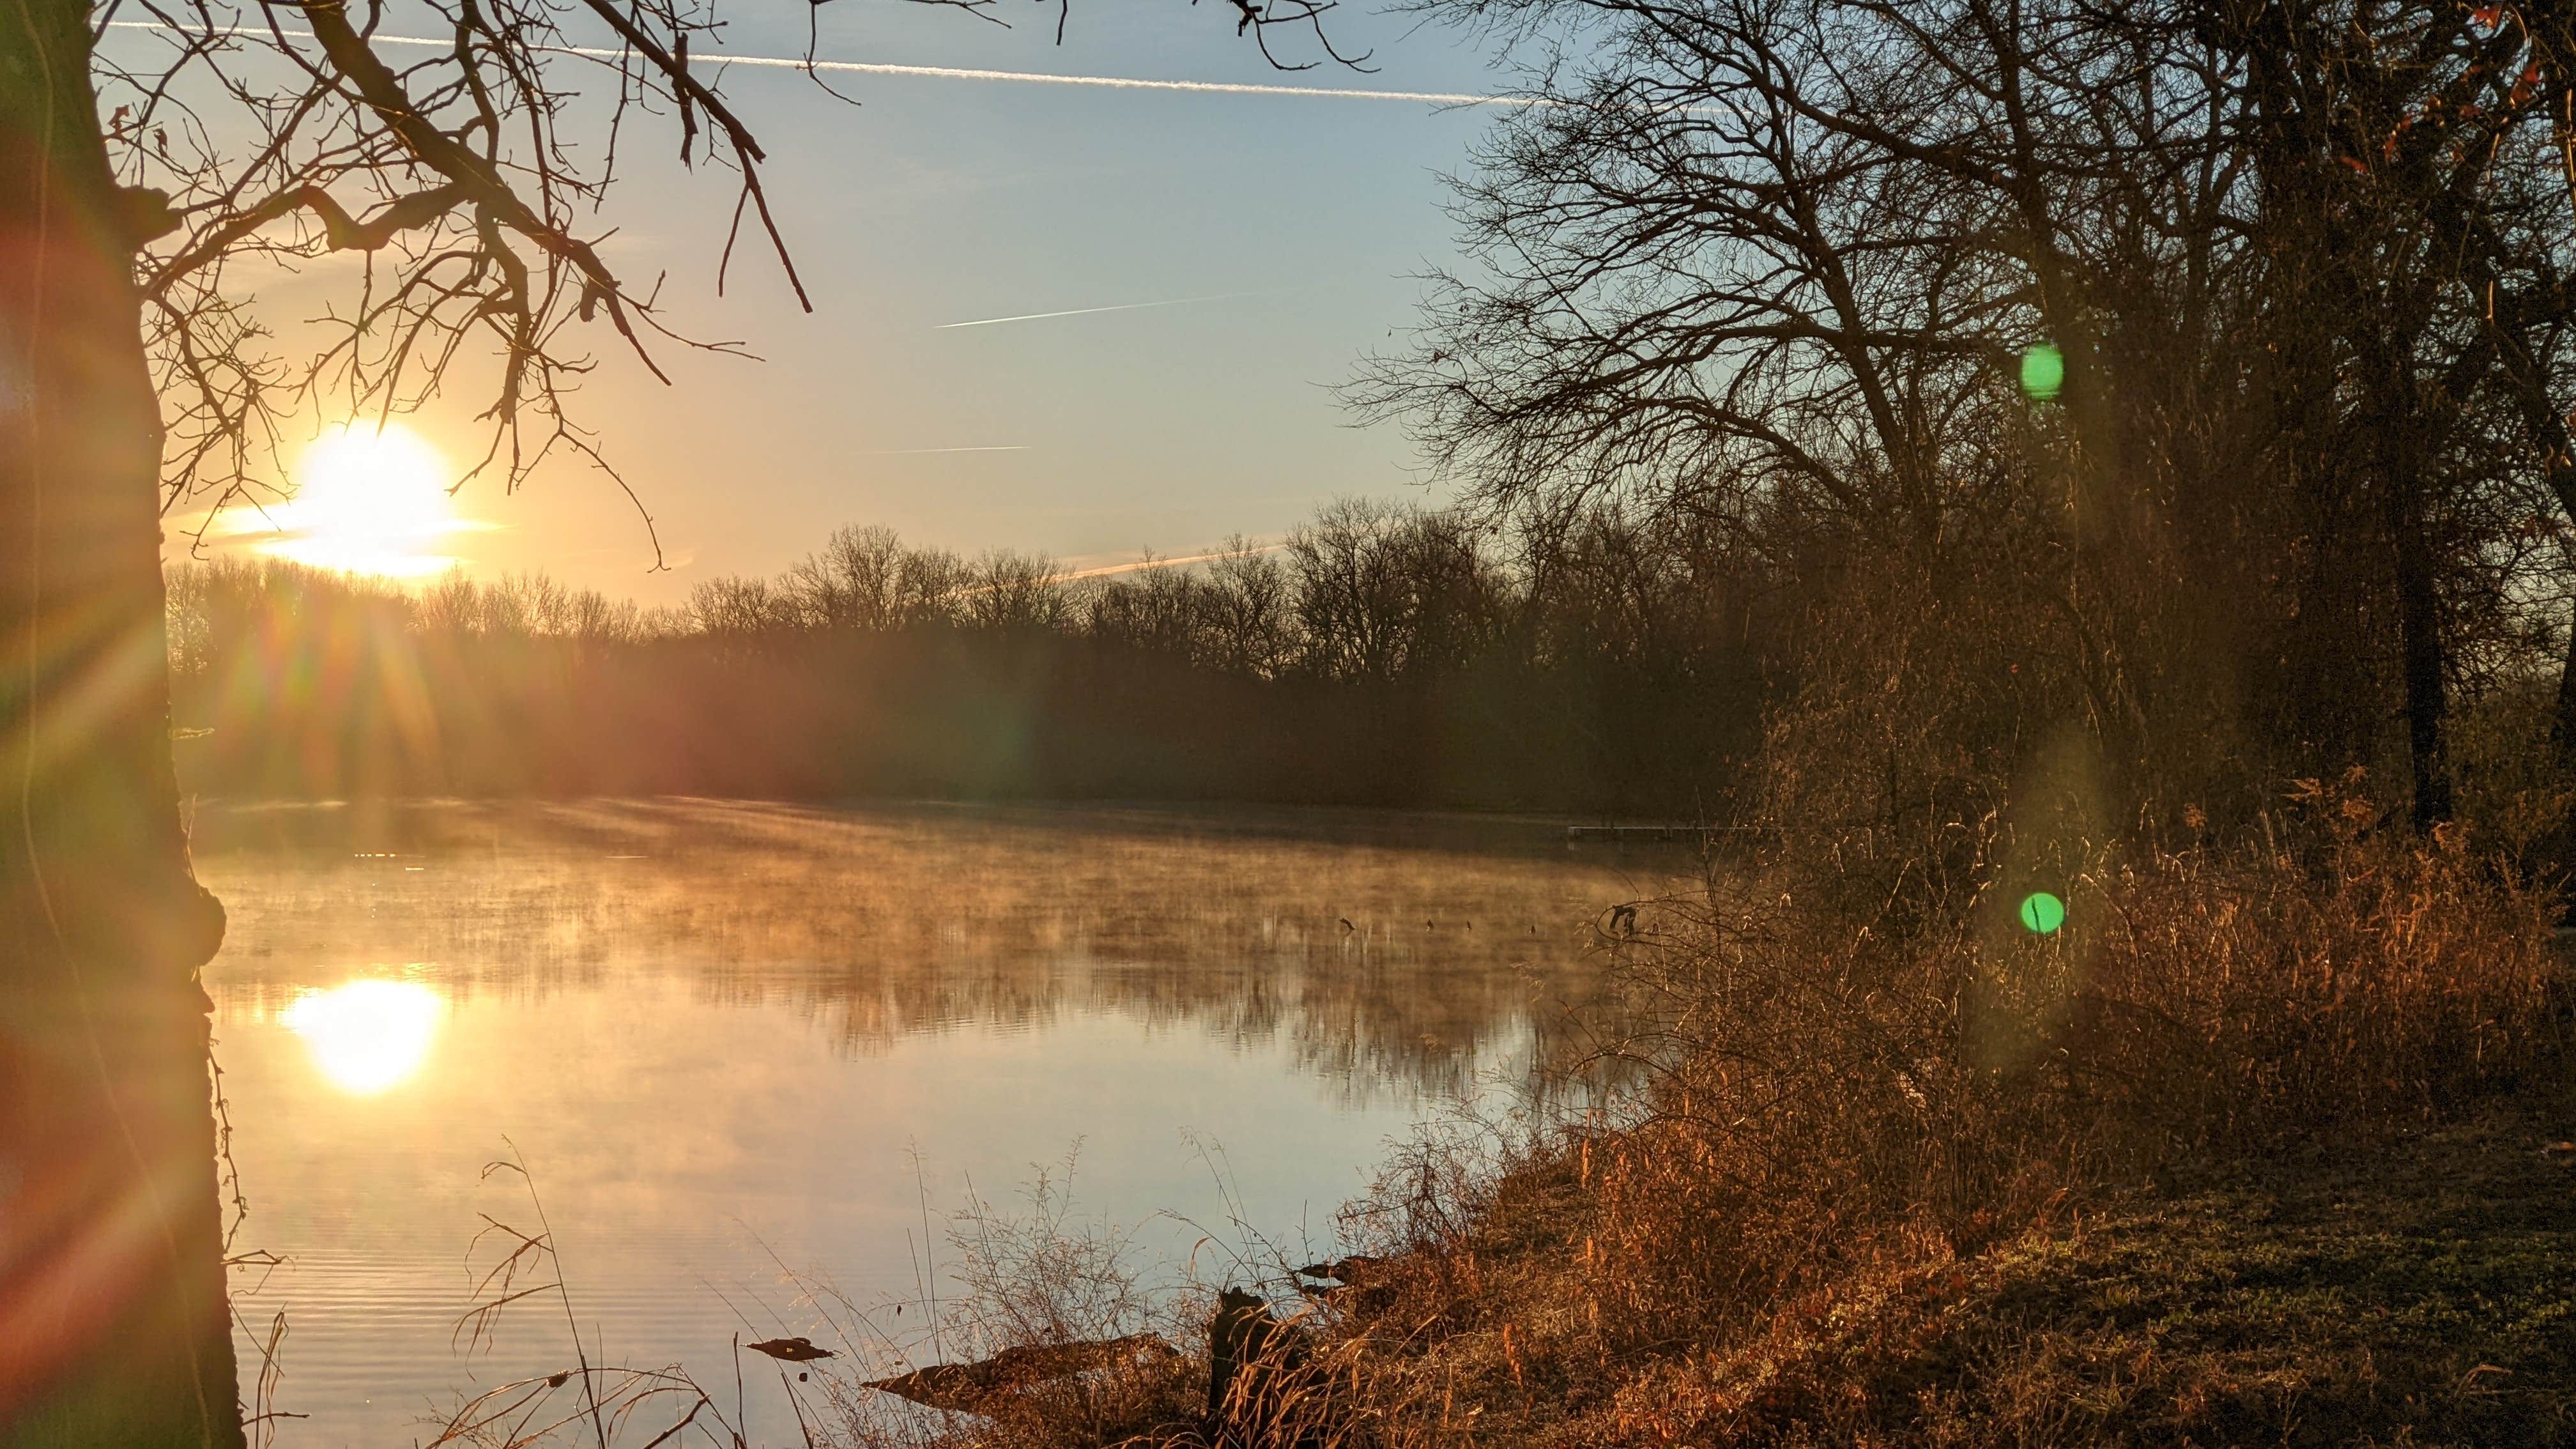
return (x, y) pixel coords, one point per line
(1876, 1183)
(1037, 1275)
(1848, 1125)
(2401, 1287)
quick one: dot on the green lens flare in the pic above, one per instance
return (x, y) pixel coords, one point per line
(2042, 913)
(2043, 372)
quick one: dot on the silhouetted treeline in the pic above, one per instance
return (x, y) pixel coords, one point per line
(2136, 407)
(1379, 656)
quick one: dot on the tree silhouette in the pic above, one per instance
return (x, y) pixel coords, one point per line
(138, 208)
(2298, 269)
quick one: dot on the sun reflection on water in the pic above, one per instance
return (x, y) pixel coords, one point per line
(366, 1036)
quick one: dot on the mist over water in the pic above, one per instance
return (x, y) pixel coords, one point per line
(718, 1034)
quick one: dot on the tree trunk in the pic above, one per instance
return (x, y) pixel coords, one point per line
(113, 1325)
(2419, 622)
(2549, 430)
(2423, 653)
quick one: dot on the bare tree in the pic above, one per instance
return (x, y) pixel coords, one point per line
(1011, 591)
(1250, 603)
(2281, 280)
(142, 202)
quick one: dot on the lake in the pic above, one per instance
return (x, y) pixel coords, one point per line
(743, 1048)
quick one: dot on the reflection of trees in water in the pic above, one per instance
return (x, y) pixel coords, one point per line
(893, 921)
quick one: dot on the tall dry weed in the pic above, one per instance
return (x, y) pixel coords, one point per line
(1835, 1106)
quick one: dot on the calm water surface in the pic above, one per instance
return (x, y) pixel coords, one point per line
(734, 1042)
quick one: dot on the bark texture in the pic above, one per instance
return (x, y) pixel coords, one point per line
(113, 1325)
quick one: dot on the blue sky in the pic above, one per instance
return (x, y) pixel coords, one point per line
(936, 201)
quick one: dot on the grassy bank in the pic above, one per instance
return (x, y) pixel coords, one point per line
(2262, 1145)
(2401, 1286)
(2419, 1286)
(2261, 1148)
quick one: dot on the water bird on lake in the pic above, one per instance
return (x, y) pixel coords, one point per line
(793, 1350)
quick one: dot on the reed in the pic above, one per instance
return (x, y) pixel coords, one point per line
(1836, 1138)
(1842, 1114)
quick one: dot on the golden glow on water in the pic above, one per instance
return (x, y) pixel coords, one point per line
(367, 500)
(366, 1036)
(721, 1031)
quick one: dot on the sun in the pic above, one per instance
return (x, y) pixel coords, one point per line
(366, 1036)
(368, 500)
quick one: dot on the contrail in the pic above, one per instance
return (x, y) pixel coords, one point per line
(947, 72)
(1087, 311)
(906, 452)
(1111, 82)
(1145, 565)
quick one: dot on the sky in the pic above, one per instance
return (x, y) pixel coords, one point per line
(1283, 237)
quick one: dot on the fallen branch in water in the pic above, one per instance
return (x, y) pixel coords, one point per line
(966, 1387)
